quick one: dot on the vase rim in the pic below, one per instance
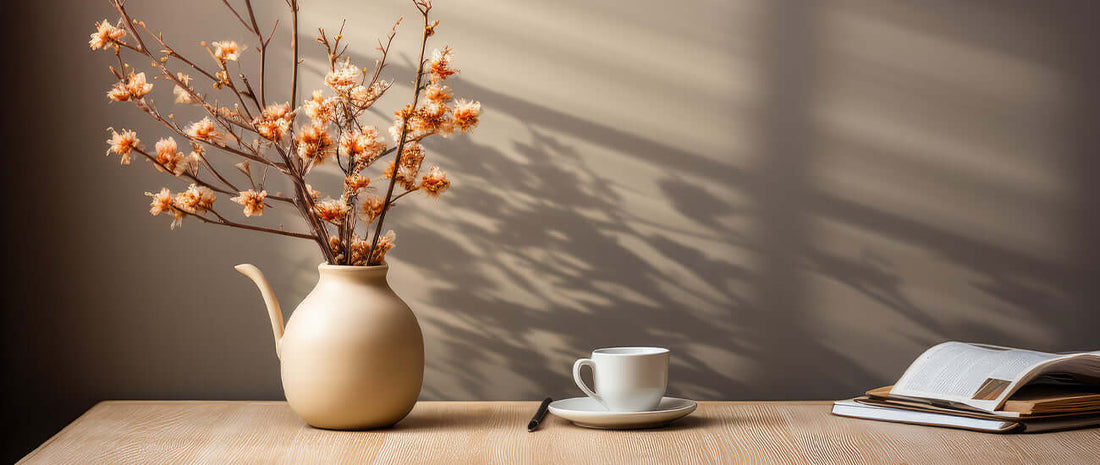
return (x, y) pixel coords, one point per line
(354, 268)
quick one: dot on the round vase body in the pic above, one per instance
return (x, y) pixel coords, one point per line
(352, 354)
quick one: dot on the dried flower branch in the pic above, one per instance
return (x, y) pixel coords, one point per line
(424, 6)
(251, 131)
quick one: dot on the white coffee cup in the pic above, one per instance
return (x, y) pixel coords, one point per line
(626, 379)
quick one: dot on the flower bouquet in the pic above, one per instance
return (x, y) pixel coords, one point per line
(352, 353)
(242, 119)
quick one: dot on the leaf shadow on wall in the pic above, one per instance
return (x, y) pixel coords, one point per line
(556, 266)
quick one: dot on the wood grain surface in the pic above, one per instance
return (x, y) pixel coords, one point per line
(495, 432)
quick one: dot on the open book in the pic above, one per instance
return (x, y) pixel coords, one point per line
(1001, 381)
(964, 385)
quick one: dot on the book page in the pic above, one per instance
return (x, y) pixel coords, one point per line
(975, 375)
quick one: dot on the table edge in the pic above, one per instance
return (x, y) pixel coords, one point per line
(108, 403)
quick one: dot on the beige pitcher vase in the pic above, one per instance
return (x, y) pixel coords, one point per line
(352, 353)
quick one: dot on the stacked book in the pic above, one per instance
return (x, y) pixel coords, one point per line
(988, 388)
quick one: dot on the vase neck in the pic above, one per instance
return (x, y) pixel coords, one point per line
(353, 274)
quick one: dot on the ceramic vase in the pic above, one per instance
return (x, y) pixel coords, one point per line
(351, 354)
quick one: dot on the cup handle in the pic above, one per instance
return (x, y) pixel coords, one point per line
(580, 382)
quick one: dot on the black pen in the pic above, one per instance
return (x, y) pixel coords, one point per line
(539, 415)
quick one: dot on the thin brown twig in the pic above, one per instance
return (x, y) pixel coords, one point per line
(167, 73)
(251, 93)
(295, 171)
(190, 176)
(224, 222)
(238, 15)
(295, 168)
(194, 178)
(304, 201)
(202, 157)
(174, 54)
(404, 132)
(152, 112)
(398, 196)
(294, 45)
(263, 48)
(119, 5)
(348, 228)
(240, 98)
(385, 49)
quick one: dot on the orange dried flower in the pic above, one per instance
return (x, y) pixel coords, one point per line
(182, 95)
(203, 130)
(332, 211)
(372, 207)
(119, 93)
(362, 96)
(314, 144)
(400, 116)
(274, 122)
(359, 250)
(435, 182)
(411, 157)
(406, 180)
(195, 200)
(466, 114)
(227, 50)
(123, 143)
(253, 202)
(344, 77)
(405, 112)
(106, 34)
(169, 158)
(361, 146)
(435, 117)
(191, 163)
(441, 64)
(356, 183)
(319, 109)
(162, 201)
(385, 243)
(438, 93)
(137, 86)
(230, 113)
(133, 88)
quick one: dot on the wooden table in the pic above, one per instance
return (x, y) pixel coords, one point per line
(495, 432)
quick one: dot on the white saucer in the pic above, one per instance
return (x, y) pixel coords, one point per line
(586, 412)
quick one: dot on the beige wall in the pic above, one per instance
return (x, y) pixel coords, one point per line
(795, 197)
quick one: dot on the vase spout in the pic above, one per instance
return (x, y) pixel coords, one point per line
(273, 309)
